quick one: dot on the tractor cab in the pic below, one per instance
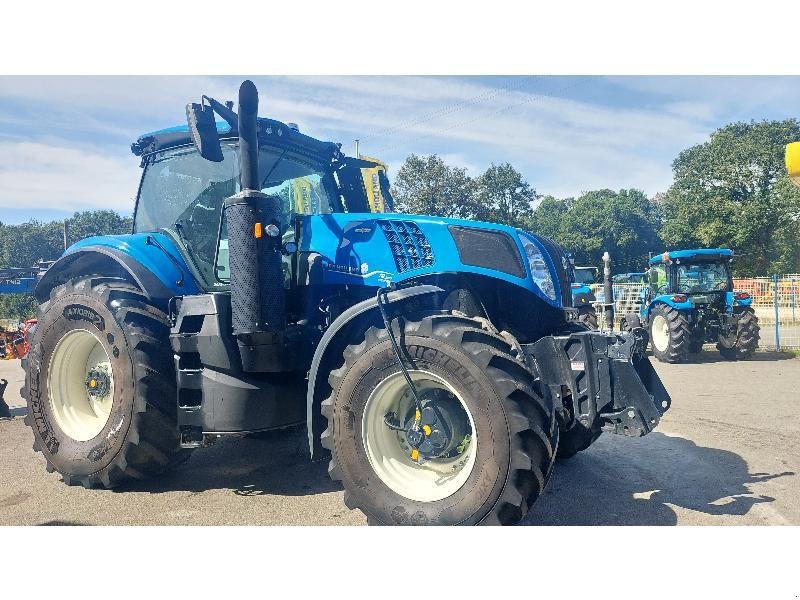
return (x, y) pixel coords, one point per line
(583, 297)
(182, 191)
(700, 274)
(628, 278)
(694, 277)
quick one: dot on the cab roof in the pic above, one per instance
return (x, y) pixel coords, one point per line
(708, 253)
(276, 132)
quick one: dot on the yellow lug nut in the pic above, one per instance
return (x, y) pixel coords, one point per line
(415, 454)
(426, 429)
(417, 415)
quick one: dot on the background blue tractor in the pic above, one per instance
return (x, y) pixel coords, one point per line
(436, 362)
(583, 298)
(689, 300)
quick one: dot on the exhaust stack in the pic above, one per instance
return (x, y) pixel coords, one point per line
(254, 241)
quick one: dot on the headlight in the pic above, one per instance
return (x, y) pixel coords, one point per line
(539, 270)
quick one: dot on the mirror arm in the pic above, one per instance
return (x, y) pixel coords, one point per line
(230, 117)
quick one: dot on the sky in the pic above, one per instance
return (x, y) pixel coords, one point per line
(65, 140)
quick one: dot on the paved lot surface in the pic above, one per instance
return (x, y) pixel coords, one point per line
(726, 453)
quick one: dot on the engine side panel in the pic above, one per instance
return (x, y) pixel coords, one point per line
(378, 250)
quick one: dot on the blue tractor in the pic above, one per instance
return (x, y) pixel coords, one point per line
(437, 363)
(689, 301)
(583, 298)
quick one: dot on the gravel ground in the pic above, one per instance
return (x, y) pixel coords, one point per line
(726, 453)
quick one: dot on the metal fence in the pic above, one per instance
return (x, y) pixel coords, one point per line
(776, 302)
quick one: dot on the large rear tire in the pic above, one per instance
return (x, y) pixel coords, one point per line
(669, 334)
(508, 434)
(744, 343)
(100, 385)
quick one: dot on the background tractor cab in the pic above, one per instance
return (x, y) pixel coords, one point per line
(689, 300)
(628, 278)
(583, 298)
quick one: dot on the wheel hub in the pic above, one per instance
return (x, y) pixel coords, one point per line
(439, 428)
(97, 383)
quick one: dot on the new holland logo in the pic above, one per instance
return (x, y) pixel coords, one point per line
(76, 312)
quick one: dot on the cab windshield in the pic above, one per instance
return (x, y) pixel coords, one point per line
(703, 277)
(182, 194)
(584, 275)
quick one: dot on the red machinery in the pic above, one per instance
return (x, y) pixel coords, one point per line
(14, 343)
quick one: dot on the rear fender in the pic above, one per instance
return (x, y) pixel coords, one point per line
(666, 299)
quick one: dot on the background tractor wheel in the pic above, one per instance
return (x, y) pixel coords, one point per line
(100, 385)
(744, 343)
(587, 316)
(669, 334)
(488, 437)
(695, 347)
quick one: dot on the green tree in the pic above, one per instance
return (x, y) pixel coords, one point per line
(24, 244)
(732, 191)
(96, 222)
(426, 185)
(17, 307)
(624, 223)
(503, 196)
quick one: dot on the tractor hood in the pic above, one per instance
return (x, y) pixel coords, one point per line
(380, 249)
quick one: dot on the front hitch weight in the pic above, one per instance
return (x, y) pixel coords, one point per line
(612, 385)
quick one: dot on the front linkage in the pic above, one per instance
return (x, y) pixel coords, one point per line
(603, 380)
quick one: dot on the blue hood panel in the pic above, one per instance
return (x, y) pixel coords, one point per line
(356, 249)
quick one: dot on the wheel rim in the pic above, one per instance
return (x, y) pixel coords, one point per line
(429, 478)
(81, 385)
(660, 333)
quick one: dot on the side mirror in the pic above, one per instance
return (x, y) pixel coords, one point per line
(203, 128)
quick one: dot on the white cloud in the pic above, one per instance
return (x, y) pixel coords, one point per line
(562, 145)
(58, 175)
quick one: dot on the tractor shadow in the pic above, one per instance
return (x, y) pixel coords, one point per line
(710, 355)
(275, 463)
(634, 482)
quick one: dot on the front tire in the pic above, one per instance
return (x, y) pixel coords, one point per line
(669, 334)
(744, 343)
(507, 454)
(100, 386)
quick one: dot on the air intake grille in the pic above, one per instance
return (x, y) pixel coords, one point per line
(410, 248)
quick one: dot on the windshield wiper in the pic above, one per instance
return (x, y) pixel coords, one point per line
(154, 242)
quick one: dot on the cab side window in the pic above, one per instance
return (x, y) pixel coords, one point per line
(657, 278)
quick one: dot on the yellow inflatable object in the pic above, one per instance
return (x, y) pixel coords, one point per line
(793, 162)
